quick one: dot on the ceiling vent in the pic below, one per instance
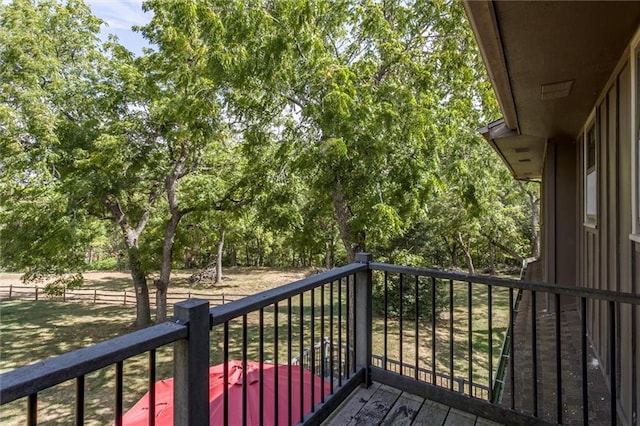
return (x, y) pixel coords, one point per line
(555, 90)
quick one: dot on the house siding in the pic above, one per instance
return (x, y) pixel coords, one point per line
(606, 258)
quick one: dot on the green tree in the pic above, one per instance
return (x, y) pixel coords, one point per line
(48, 62)
(94, 132)
(361, 90)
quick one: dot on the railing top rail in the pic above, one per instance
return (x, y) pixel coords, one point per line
(252, 303)
(39, 376)
(589, 293)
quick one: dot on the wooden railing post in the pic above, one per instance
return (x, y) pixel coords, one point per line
(363, 326)
(191, 364)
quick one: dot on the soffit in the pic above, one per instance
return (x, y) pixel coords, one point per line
(528, 45)
(523, 154)
(560, 41)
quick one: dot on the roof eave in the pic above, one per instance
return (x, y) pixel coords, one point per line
(483, 21)
(489, 133)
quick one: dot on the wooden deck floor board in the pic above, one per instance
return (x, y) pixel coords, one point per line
(431, 413)
(375, 410)
(384, 405)
(404, 410)
(484, 422)
(352, 405)
(459, 418)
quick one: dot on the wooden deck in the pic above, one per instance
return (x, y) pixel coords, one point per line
(384, 405)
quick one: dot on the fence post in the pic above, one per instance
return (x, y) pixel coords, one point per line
(95, 296)
(125, 298)
(10, 290)
(64, 293)
(191, 364)
(36, 293)
(363, 304)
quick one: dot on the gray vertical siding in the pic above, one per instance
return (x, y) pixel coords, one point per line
(607, 259)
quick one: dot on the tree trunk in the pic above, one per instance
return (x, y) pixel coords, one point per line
(143, 310)
(259, 261)
(162, 283)
(233, 257)
(467, 254)
(327, 254)
(170, 185)
(138, 274)
(504, 248)
(454, 255)
(353, 244)
(535, 219)
(219, 257)
(492, 257)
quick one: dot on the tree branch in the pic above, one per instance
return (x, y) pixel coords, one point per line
(502, 247)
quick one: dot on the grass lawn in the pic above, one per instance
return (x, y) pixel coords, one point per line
(32, 331)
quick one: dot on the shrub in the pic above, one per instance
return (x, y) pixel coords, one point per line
(106, 264)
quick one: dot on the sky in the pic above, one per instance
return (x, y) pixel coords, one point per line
(120, 16)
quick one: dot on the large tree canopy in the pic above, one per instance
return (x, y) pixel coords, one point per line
(367, 96)
(269, 131)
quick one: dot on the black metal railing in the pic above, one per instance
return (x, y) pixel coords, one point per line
(462, 326)
(304, 329)
(433, 333)
(30, 380)
(461, 384)
(314, 308)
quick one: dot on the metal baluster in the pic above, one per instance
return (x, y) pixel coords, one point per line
(340, 331)
(331, 366)
(322, 343)
(119, 381)
(558, 361)
(512, 372)
(612, 362)
(261, 366)
(490, 336)
(386, 319)
(225, 373)
(152, 387)
(347, 355)
(354, 315)
(451, 368)
(245, 383)
(534, 352)
(80, 400)
(289, 354)
(433, 330)
(470, 332)
(313, 348)
(585, 378)
(301, 356)
(400, 327)
(32, 409)
(417, 321)
(276, 377)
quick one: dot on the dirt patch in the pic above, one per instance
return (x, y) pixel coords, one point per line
(10, 278)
